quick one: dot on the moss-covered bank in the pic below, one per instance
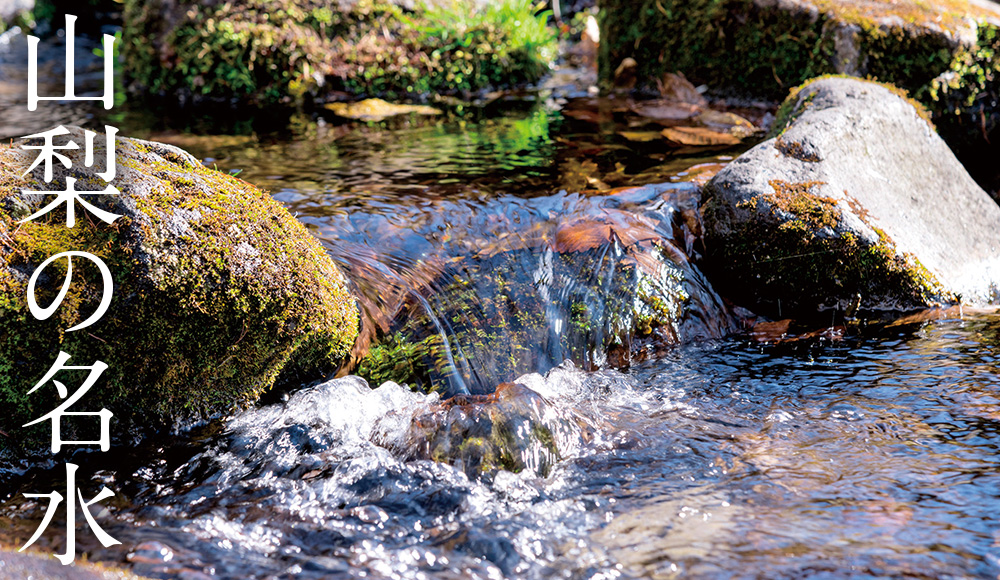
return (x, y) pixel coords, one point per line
(945, 53)
(217, 287)
(268, 52)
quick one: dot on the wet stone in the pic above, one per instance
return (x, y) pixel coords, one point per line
(856, 206)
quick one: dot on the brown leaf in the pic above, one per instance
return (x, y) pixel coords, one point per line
(592, 232)
(777, 332)
(702, 173)
(640, 136)
(698, 136)
(624, 77)
(581, 235)
(727, 123)
(770, 331)
(952, 312)
(377, 110)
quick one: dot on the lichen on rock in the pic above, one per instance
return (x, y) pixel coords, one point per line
(856, 198)
(217, 287)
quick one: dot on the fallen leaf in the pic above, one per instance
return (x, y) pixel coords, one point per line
(952, 312)
(770, 331)
(624, 77)
(588, 115)
(377, 110)
(702, 173)
(728, 123)
(587, 233)
(674, 87)
(698, 136)
(777, 332)
(581, 235)
(640, 136)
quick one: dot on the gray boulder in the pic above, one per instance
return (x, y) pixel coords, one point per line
(856, 203)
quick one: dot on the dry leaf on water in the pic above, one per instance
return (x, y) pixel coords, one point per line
(674, 87)
(376, 110)
(698, 136)
(728, 123)
(640, 136)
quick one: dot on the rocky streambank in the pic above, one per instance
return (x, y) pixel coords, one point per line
(290, 51)
(945, 53)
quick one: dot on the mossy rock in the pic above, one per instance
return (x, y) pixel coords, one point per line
(270, 52)
(514, 429)
(601, 290)
(945, 53)
(857, 205)
(216, 288)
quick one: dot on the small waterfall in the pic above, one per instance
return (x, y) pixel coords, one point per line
(461, 296)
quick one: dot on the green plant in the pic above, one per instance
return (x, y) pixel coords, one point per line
(267, 52)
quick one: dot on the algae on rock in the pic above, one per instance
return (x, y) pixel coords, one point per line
(217, 287)
(602, 291)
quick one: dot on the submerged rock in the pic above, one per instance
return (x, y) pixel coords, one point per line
(513, 429)
(945, 53)
(856, 205)
(269, 52)
(604, 284)
(216, 288)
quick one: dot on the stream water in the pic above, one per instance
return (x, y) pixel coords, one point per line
(681, 447)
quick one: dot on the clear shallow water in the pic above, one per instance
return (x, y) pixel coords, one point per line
(864, 458)
(868, 457)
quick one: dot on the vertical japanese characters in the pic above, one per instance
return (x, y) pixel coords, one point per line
(50, 153)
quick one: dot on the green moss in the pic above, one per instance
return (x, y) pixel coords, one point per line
(502, 325)
(24, 20)
(789, 259)
(718, 42)
(512, 429)
(269, 52)
(195, 327)
(813, 211)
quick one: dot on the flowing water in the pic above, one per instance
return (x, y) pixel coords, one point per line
(490, 246)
